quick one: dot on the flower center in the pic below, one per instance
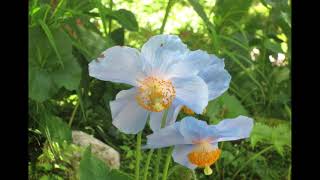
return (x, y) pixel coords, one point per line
(204, 155)
(155, 94)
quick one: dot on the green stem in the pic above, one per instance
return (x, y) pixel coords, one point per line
(146, 168)
(169, 5)
(156, 174)
(167, 164)
(194, 175)
(138, 155)
(252, 158)
(289, 173)
(110, 19)
(73, 114)
(163, 123)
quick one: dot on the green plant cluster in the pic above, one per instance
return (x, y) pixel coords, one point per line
(65, 35)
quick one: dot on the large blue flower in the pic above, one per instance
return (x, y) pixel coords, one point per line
(196, 143)
(211, 69)
(164, 74)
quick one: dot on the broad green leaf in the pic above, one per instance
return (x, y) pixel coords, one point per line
(260, 133)
(230, 10)
(41, 86)
(233, 106)
(92, 167)
(126, 19)
(282, 74)
(118, 36)
(225, 106)
(59, 130)
(118, 175)
(51, 39)
(93, 42)
(281, 137)
(272, 46)
(69, 76)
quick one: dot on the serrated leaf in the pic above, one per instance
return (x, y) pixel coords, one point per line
(281, 136)
(41, 86)
(260, 133)
(126, 18)
(58, 129)
(92, 167)
(69, 76)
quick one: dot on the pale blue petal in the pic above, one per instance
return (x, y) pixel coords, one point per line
(156, 45)
(129, 93)
(233, 129)
(122, 97)
(161, 51)
(180, 155)
(156, 117)
(192, 92)
(127, 115)
(194, 130)
(217, 79)
(165, 137)
(193, 62)
(118, 64)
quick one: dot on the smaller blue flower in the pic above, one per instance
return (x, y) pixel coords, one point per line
(196, 142)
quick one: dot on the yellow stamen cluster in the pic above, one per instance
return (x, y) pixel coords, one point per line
(155, 94)
(204, 155)
(186, 110)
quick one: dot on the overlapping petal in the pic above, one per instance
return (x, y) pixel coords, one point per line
(191, 91)
(118, 64)
(195, 131)
(233, 129)
(156, 117)
(127, 115)
(165, 137)
(180, 155)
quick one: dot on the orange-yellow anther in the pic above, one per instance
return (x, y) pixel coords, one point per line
(204, 154)
(188, 111)
(155, 94)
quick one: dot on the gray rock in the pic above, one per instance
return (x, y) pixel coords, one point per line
(106, 153)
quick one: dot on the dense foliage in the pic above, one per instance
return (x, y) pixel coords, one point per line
(252, 36)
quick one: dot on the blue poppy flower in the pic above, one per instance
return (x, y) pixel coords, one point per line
(165, 73)
(196, 143)
(212, 70)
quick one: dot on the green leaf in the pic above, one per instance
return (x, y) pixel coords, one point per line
(230, 10)
(118, 36)
(69, 76)
(225, 106)
(59, 130)
(93, 168)
(282, 74)
(272, 46)
(51, 40)
(281, 137)
(93, 42)
(118, 175)
(260, 133)
(126, 19)
(200, 11)
(41, 86)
